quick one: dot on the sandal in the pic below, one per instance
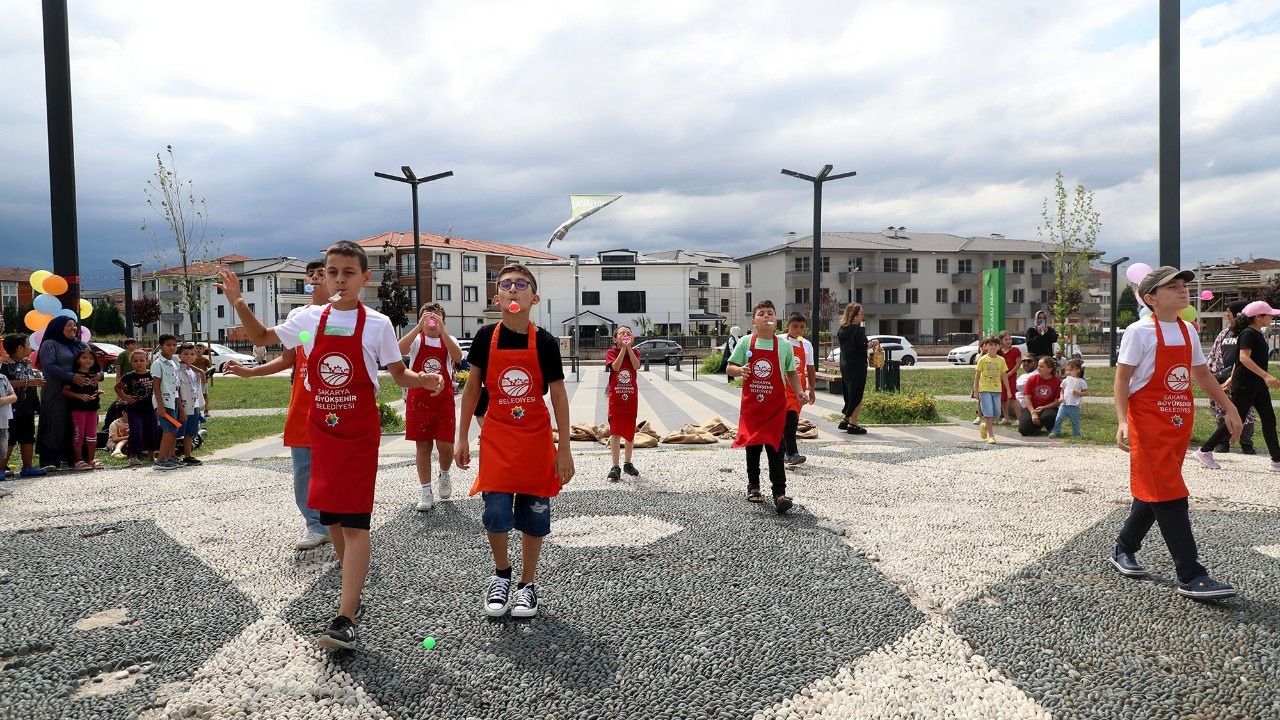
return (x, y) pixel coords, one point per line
(856, 430)
(98, 465)
(82, 465)
(755, 496)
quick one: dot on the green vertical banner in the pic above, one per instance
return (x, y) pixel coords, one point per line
(992, 301)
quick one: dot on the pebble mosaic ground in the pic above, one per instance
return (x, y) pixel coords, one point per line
(911, 581)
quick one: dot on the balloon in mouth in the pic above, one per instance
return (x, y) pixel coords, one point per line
(431, 323)
(308, 287)
(770, 323)
(335, 297)
(514, 306)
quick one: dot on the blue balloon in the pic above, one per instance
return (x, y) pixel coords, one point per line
(68, 312)
(47, 304)
(308, 287)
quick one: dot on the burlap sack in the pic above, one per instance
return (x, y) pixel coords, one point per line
(806, 430)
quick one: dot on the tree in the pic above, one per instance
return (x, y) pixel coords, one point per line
(393, 301)
(827, 303)
(173, 198)
(1125, 318)
(1071, 227)
(1272, 294)
(642, 325)
(106, 319)
(146, 311)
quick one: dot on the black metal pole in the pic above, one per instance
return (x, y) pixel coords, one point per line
(128, 293)
(1170, 133)
(62, 165)
(1115, 304)
(417, 256)
(817, 263)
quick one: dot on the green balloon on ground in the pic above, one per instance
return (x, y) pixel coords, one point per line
(429, 643)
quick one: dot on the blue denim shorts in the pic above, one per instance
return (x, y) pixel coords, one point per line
(165, 425)
(990, 404)
(529, 514)
(191, 426)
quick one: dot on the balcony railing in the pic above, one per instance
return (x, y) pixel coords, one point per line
(883, 277)
(965, 278)
(965, 308)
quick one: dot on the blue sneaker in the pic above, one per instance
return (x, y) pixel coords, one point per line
(33, 472)
(1206, 588)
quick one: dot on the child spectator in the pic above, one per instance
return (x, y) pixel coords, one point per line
(764, 365)
(82, 402)
(8, 398)
(118, 436)
(431, 418)
(1222, 363)
(193, 396)
(164, 372)
(1250, 382)
(1009, 409)
(22, 427)
(521, 469)
(1040, 399)
(1027, 370)
(1156, 411)
(124, 363)
(806, 368)
(622, 362)
(990, 379)
(1074, 388)
(137, 389)
(345, 343)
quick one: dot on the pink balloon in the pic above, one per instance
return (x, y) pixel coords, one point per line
(36, 337)
(1206, 295)
(1137, 271)
(1139, 297)
(84, 333)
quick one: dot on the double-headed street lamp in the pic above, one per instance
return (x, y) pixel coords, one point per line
(128, 292)
(414, 181)
(815, 296)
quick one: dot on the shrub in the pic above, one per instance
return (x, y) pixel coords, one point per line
(389, 419)
(711, 364)
(899, 408)
(736, 382)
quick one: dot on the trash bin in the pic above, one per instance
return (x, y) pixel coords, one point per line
(889, 377)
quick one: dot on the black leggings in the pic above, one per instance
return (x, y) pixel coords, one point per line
(777, 474)
(1245, 397)
(788, 445)
(854, 381)
(1175, 525)
(1028, 428)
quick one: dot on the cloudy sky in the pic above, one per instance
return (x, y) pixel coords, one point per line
(955, 116)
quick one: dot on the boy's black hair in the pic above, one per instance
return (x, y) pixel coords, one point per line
(186, 346)
(518, 268)
(317, 263)
(13, 342)
(165, 338)
(797, 317)
(349, 249)
(992, 340)
(129, 341)
(434, 307)
(761, 304)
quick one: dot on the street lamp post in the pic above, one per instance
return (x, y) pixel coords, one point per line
(413, 181)
(815, 294)
(128, 292)
(1170, 132)
(577, 323)
(1115, 303)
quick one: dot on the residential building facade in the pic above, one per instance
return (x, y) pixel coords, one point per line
(15, 291)
(715, 287)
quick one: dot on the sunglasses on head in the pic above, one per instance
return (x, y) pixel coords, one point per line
(520, 284)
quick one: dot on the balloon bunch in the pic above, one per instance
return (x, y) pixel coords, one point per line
(1137, 271)
(47, 306)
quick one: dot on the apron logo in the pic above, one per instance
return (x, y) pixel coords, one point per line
(1178, 379)
(1177, 420)
(432, 365)
(331, 419)
(517, 412)
(759, 397)
(762, 368)
(335, 370)
(515, 382)
(624, 377)
(626, 396)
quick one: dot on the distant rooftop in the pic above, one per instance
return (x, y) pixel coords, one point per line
(900, 240)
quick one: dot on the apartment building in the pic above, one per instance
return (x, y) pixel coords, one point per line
(272, 287)
(914, 284)
(715, 287)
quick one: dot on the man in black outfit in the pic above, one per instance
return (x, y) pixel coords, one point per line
(1041, 336)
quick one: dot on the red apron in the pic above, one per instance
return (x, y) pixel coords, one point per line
(426, 416)
(763, 411)
(517, 454)
(295, 422)
(1012, 359)
(343, 422)
(793, 405)
(624, 399)
(1160, 418)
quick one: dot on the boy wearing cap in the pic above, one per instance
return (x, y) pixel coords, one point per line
(1156, 411)
(1222, 361)
(1250, 381)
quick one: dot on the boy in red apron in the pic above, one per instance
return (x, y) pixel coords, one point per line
(803, 350)
(765, 363)
(296, 437)
(430, 417)
(1158, 359)
(622, 363)
(521, 468)
(344, 344)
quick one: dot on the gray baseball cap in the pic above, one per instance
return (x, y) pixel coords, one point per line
(1162, 275)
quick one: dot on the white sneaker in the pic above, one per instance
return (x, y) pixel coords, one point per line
(426, 502)
(310, 540)
(526, 604)
(498, 599)
(446, 487)
(1206, 459)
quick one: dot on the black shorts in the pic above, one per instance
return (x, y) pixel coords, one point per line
(355, 521)
(22, 429)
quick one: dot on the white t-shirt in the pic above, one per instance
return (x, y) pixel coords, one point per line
(1138, 348)
(803, 341)
(379, 341)
(1071, 389)
(431, 342)
(191, 387)
(1021, 384)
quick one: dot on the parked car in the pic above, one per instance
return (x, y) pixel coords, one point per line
(907, 355)
(968, 354)
(105, 354)
(220, 354)
(665, 350)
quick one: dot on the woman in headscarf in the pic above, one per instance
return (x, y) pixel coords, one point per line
(852, 338)
(57, 355)
(735, 332)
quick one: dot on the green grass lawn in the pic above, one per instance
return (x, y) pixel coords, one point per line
(271, 392)
(958, 382)
(1097, 422)
(223, 433)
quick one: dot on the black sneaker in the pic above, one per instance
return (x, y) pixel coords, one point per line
(498, 599)
(188, 460)
(526, 602)
(782, 504)
(1247, 450)
(1127, 565)
(843, 425)
(341, 634)
(615, 474)
(795, 459)
(630, 469)
(1206, 588)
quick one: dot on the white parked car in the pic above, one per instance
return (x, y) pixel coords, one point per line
(907, 355)
(968, 354)
(220, 354)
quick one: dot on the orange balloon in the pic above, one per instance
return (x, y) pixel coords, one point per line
(37, 320)
(55, 285)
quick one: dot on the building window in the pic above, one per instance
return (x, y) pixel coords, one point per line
(631, 301)
(1000, 264)
(444, 292)
(1046, 267)
(248, 285)
(913, 265)
(802, 263)
(590, 297)
(1019, 295)
(857, 295)
(222, 311)
(491, 275)
(703, 277)
(144, 288)
(855, 263)
(252, 311)
(964, 266)
(407, 265)
(749, 305)
(891, 264)
(703, 303)
(442, 261)
(964, 296)
(470, 263)
(891, 296)
(1020, 266)
(940, 295)
(802, 295)
(617, 273)
(913, 296)
(746, 275)
(9, 295)
(724, 305)
(470, 293)
(1044, 296)
(724, 279)
(941, 266)
(826, 263)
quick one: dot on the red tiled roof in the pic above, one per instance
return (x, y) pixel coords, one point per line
(15, 274)
(201, 269)
(233, 257)
(1261, 264)
(405, 239)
